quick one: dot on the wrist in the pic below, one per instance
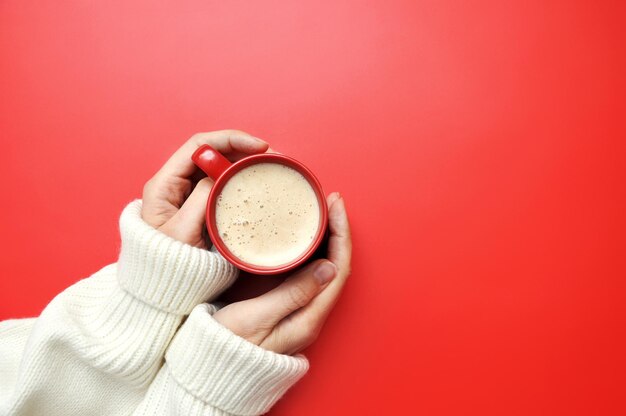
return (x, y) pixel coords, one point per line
(226, 371)
(164, 272)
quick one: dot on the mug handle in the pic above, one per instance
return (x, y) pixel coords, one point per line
(210, 161)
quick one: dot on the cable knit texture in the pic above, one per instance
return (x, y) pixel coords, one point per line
(104, 345)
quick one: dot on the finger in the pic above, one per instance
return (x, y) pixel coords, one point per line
(294, 293)
(340, 253)
(340, 240)
(233, 144)
(188, 222)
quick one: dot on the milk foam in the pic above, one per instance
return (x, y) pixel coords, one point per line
(267, 214)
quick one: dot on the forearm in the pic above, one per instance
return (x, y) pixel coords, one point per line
(98, 345)
(211, 371)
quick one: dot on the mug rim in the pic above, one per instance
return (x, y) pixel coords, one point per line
(244, 163)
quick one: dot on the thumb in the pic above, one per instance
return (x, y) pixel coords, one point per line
(188, 223)
(294, 293)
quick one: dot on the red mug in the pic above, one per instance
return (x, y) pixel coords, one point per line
(220, 169)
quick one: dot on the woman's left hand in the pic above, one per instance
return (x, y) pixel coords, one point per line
(175, 198)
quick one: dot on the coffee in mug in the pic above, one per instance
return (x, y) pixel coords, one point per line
(266, 213)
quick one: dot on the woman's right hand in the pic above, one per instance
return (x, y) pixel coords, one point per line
(289, 317)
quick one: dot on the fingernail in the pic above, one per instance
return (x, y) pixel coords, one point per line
(325, 272)
(333, 197)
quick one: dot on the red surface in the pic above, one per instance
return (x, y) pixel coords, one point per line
(479, 146)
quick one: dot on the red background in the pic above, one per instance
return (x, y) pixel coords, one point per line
(479, 146)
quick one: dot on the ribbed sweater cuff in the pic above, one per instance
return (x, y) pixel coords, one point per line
(166, 273)
(227, 371)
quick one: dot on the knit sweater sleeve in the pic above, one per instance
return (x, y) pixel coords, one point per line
(98, 345)
(210, 371)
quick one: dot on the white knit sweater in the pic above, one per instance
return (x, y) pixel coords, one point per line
(136, 338)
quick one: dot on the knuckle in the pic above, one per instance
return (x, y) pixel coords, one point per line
(148, 186)
(282, 339)
(196, 138)
(233, 132)
(297, 296)
(204, 183)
